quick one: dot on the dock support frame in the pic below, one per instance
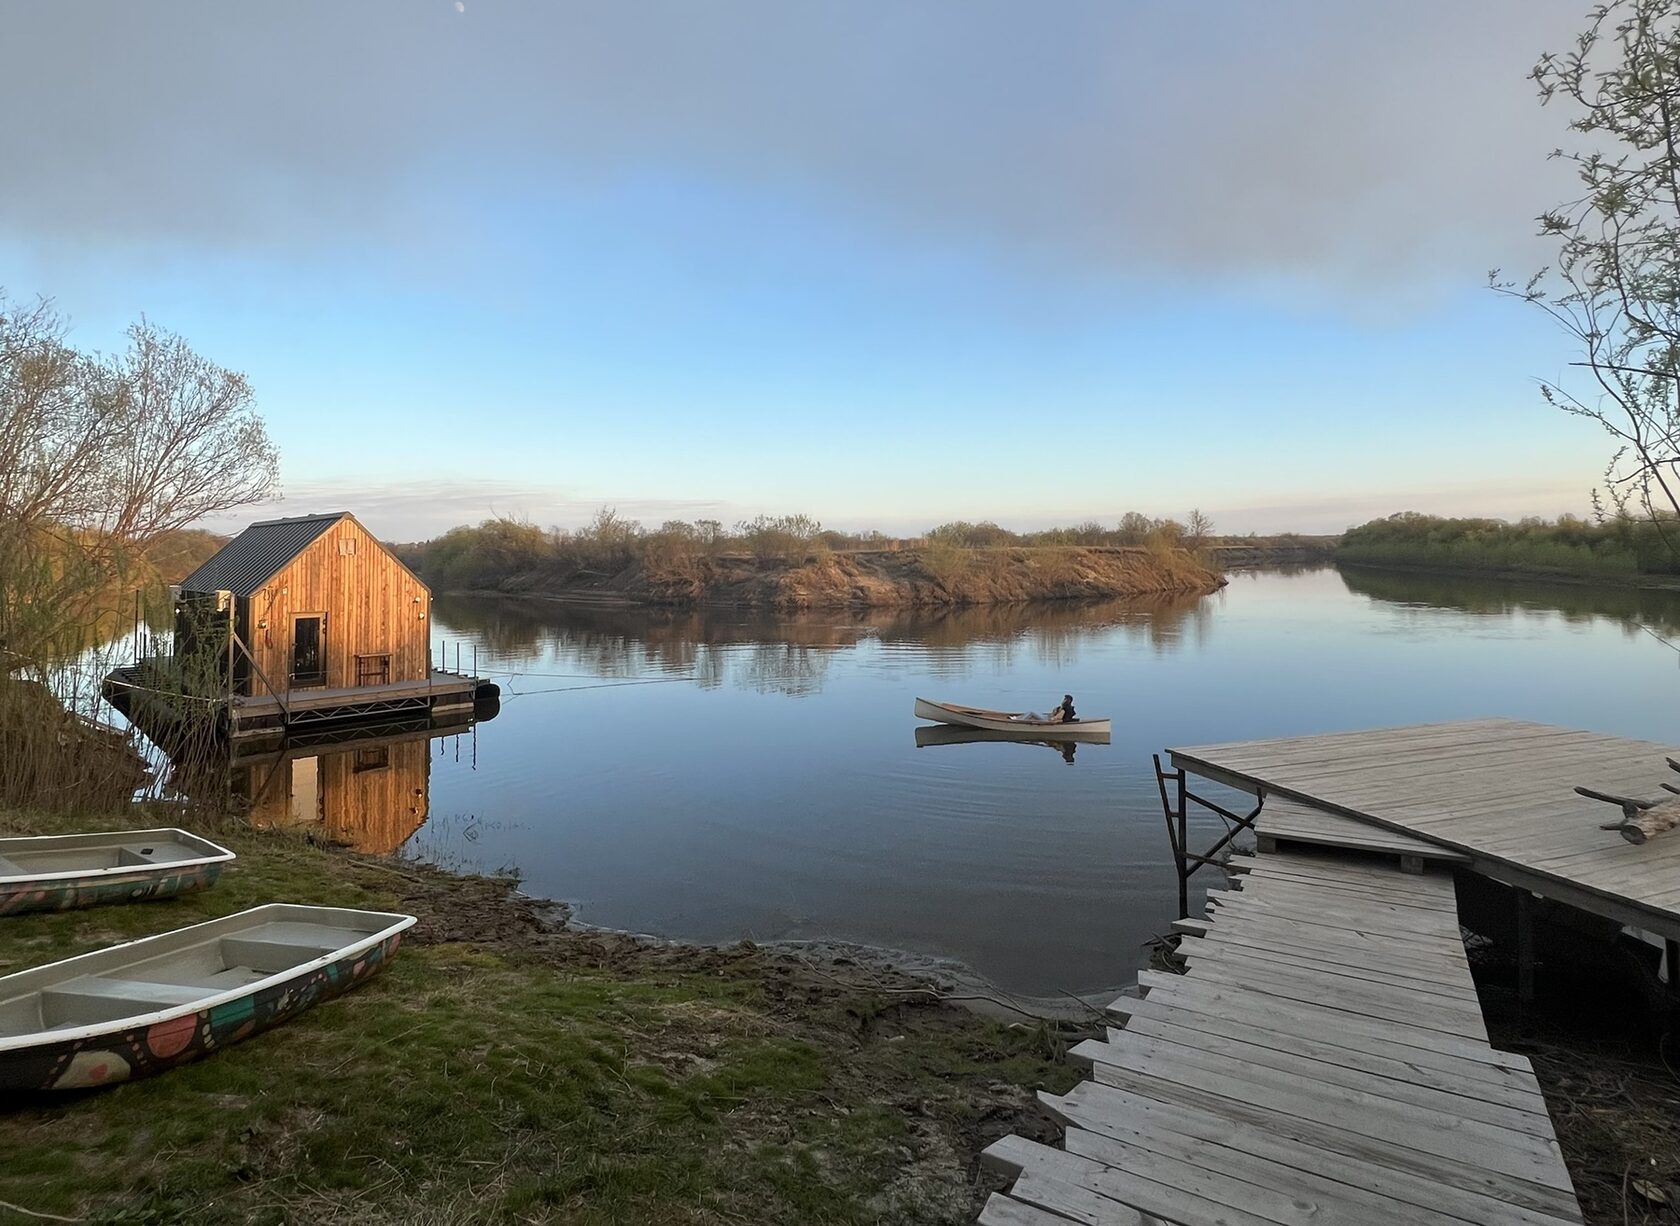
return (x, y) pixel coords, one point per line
(1525, 948)
(1176, 809)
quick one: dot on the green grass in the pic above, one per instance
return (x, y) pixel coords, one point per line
(522, 1076)
(1620, 549)
(1531, 557)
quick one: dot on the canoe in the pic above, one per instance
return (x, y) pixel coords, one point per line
(145, 1006)
(1002, 721)
(58, 872)
(953, 734)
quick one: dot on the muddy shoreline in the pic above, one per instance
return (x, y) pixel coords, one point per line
(591, 1076)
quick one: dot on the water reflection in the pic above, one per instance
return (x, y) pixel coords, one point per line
(366, 787)
(540, 643)
(1578, 604)
(928, 735)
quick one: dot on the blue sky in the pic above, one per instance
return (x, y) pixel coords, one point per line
(887, 268)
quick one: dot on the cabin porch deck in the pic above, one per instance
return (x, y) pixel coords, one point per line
(443, 692)
(297, 710)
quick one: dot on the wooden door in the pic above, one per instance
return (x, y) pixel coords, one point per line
(309, 649)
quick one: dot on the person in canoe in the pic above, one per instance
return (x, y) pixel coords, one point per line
(1061, 714)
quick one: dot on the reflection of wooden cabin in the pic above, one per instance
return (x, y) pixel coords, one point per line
(367, 795)
(300, 622)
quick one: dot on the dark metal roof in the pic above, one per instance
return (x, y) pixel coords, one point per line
(257, 554)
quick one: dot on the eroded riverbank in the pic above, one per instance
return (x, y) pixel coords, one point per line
(924, 578)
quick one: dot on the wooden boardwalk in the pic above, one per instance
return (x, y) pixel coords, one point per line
(1287, 823)
(1499, 792)
(1323, 1060)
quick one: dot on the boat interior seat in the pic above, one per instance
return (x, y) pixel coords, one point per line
(154, 853)
(232, 977)
(99, 998)
(269, 955)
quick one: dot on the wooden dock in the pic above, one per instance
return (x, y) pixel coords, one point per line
(1500, 793)
(1322, 1060)
(1289, 824)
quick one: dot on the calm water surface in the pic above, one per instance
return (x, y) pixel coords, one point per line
(713, 776)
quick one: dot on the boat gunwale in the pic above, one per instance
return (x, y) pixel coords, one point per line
(136, 1021)
(9, 881)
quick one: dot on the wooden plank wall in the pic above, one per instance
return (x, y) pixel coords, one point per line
(373, 604)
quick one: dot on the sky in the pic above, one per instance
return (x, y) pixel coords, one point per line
(887, 265)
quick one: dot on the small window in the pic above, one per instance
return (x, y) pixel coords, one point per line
(373, 669)
(375, 759)
(346, 546)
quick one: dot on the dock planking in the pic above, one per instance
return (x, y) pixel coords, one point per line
(1323, 1059)
(1287, 823)
(1499, 794)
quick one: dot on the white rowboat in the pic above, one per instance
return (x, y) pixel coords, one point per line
(58, 872)
(144, 1006)
(1006, 721)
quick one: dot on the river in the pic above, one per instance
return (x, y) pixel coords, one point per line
(718, 775)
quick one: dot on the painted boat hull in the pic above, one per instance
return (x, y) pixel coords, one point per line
(62, 872)
(1000, 721)
(97, 1053)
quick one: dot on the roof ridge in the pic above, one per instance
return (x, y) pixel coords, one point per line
(295, 519)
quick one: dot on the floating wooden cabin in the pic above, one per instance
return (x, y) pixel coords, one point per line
(297, 623)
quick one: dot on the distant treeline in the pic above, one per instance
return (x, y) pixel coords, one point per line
(485, 555)
(1619, 547)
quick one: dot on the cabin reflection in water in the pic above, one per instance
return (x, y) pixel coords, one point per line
(370, 794)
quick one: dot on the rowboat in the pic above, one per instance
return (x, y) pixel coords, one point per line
(58, 872)
(145, 1006)
(1004, 721)
(952, 734)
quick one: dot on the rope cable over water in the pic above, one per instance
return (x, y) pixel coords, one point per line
(605, 685)
(520, 672)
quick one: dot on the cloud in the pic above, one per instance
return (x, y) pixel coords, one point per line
(1370, 149)
(1336, 511)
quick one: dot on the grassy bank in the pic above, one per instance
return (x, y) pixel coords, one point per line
(1619, 550)
(793, 564)
(931, 577)
(935, 576)
(504, 1069)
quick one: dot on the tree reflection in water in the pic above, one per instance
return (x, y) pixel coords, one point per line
(544, 643)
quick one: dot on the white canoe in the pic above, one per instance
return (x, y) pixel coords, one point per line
(57, 872)
(144, 1006)
(1004, 721)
